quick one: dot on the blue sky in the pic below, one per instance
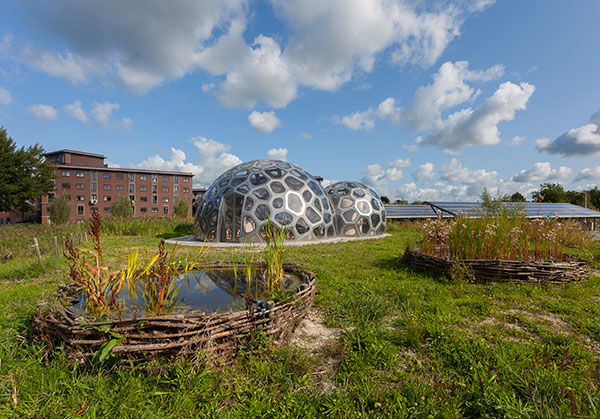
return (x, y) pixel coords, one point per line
(420, 99)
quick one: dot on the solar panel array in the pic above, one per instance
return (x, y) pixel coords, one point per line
(473, 209)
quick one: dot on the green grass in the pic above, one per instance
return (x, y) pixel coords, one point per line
(409, 345)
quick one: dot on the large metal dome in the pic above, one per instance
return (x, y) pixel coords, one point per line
(358, 209)
(243, 199)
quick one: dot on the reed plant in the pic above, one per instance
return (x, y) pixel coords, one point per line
(273, 254)
(503, 234)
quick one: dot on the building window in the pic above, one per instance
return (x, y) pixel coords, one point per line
(186, 180)
(165, 189)
(165, 199)
(80, 198)
(186, 190)
(143, 189)
(165, 178)
(154, 178)
(94, 209)
(93, 175)
(143, 198)
(80, 186)
(106, 209)
(131, 177)
(93, 187)
(79, 174)
(93, 198)
(120, 188)
(119, 175)
(106, 175)
(154, 199)
(80, 210)
(131, 188)
(143, 177)
(106, 187)
(154, 189)
(106, 198)
(176, 179)
(66, 186)
(66, 173)
(166, 210)
(175, 190)
(143, 210)
(51, 197)
(155, 210)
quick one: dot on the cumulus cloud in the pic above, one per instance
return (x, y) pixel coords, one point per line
(305, 135)
(277, 153)
(263, 121)
(102, 111)
(448, 89)
(358, 120)
(75, 110)
(542, 171)
(479, 126)
(42, 111)
(455, 172)
(577, 142)
(213, 160)
(425, 171)
(587, 174)
(515, 141)
(374, 174)
(328, 42)
(5, 97)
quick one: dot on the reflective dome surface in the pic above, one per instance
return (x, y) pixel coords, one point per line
(358, 210)
(243, 199)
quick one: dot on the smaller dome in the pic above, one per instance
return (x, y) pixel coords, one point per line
(358, 209)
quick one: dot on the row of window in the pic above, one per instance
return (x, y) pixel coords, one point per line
(94, 187)
(81, 210)
(94, 176)
(107, 198)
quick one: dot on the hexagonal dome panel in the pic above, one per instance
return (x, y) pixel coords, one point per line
(358, 210)
(243, 199)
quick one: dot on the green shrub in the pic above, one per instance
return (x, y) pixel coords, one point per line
(60, 210)
(122, 208)
(181, 208)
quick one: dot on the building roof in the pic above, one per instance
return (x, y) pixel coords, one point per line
(81, 153)
(125, 169)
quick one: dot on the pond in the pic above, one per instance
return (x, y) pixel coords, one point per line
(202, 291)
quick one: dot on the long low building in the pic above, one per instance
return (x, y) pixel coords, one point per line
(473, 209)
(92, 186)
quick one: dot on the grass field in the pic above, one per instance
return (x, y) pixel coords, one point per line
(407, 345)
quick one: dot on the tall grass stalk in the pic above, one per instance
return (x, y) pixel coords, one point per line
(273, 254)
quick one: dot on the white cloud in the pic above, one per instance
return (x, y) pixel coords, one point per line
(213, 160)
(449, 89)
(277, 153)
(358, 120)
(581, 141)
(326, 43)
(455, 172)
(264, 121)
(74, 110)
(5, 97)
(542, 171)
(102, 111)
(480, 126)
(126, 124)
(305, 135)
(515, 141)
(374, 174)
(43, 111)
(588, 174)
(425, 171)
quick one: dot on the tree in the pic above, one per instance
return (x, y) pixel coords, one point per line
(517, 197)
(121, 208)
(401, 202)
(181, 208)
(550, 192)
(60, 209)
(25, 174)
(385, 199)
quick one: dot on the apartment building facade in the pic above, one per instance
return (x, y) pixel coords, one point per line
(92, 186)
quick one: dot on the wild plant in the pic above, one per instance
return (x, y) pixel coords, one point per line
(273, 254)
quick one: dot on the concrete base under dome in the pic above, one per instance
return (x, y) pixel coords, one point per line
(191, 240)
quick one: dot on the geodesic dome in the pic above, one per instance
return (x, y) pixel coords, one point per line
(245, 198)
(358, 211)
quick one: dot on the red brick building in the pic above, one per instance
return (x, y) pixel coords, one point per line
(93, 186)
